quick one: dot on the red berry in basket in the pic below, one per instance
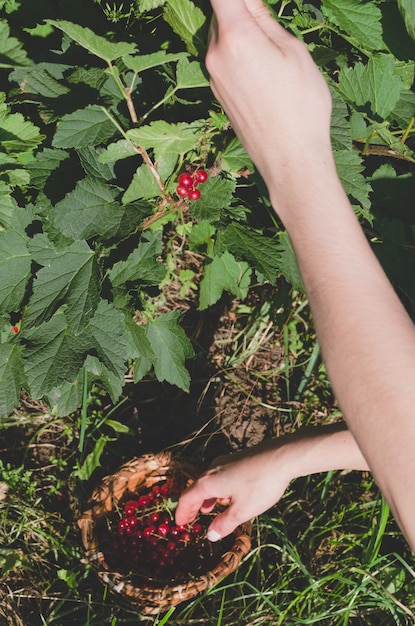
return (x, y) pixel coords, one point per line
(155, 490)
(200, 176)
(194, 194)
(144, 501)
(163, 530)
(186, 538)
(197, 529)
(149, 530)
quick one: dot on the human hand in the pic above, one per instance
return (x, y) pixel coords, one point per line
(275, 96)
(250, 482)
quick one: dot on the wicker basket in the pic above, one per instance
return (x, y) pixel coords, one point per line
(135, 477)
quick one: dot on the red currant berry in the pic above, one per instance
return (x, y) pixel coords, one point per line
(194, 194)
(144, 501)
(163, 529)
(182, 191)
(186, 538)
(201, 176)
(197, 529)
(149, 530)
(15, 330)
(155, 490)
(130, 506)
(185, 180)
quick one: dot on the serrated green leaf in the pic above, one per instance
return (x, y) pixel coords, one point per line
(171, 347)
(340, 124)
(350, 171)
(224, 273)
(288, 262)
(150, 5)
(374, 85)
(11, 377)
(142, 186)
(121, 149)
(235, 158)
(93, 166)
(8, 206)
(38, 80)
(84, 127)
(106, 333)
(43, 165)
(217, 194)
(52, 355)
(71, 278)
(248, 244)
(15, 262)
(142, 265)
(189, 22)
(140, 351)
(16, 133)
(407, 9)
(68, 397)
(190, 75)
(12, 53)
(89, 210)
(394, 142)
(165, 138)
(143, 62)
(360, 20)
(101, 47)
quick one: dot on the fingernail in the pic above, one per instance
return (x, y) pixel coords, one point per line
(212, 535)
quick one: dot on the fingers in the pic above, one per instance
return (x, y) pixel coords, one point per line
(225, 523)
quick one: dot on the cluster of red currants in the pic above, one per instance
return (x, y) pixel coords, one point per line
(146, 539)
(188, 183)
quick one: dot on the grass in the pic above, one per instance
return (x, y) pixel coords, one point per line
(328, 553)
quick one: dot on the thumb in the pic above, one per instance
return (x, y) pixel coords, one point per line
(224, 524)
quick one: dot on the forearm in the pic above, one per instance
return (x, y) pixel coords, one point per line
(316, 450)
(367, 338)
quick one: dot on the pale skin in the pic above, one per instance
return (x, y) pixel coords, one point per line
(279, 106)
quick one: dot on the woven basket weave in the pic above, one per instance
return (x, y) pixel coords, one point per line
(136, 476)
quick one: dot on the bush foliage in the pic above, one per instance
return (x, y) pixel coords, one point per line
(101, 107)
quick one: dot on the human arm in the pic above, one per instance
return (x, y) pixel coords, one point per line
(279, 106)
(255, 479)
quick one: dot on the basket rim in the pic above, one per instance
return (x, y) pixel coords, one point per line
(167, 593)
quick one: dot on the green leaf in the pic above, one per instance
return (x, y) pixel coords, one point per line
(224, 273)
(374, 85)
(170, 348)
(93, 166)
(288, 262)
(262, 252)
(95, 44)
(44, 164)
(350, 171)
(83, 128)
(359, 20)
(340, 125)
(189, 22)
(93, 459)
(143, 62)
(122, 149)
(235, 158)
(143, 185)
(165, 138)
(89, 210)
(407, 9)
(15, 262)
(217, 195)
(150, 5)
(70, 277)
(52, 356)
(38, 80)
(190, 75)
(143, 263)
(12, 53)
(141, 351)
(11, 377)
(17, 134)
(8, 206)
(106, 334)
